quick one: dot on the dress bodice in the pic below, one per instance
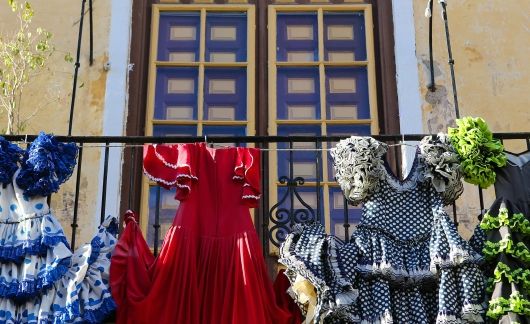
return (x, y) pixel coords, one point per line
(214, 186)
(513, 181)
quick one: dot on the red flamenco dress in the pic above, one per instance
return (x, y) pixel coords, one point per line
(210, 268)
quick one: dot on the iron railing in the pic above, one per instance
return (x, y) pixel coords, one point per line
(273, 219)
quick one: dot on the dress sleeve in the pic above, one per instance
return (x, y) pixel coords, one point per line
(46, 165)
(358, 166)
(442, 166)
(247, 170)
(171, 166)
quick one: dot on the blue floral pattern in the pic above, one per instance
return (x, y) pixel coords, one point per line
(41, 279)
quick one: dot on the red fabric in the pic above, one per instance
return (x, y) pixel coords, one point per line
(210, 268)
(129, 269)
(281, 285)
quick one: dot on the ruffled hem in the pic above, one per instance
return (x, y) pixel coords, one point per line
(516, 303)
(21, 290)
(448, 248)
(471, 313)
(102, 311)
(399, 261)
(296, 267)
(519, 276)
(517, 222)
(507, 246)
(39, 246)
(32, 235)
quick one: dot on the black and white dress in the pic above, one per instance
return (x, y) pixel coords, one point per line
(405, 262)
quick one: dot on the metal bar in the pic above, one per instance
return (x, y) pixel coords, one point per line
(104, 191)
(76, 69)
(156, 225)
(481, 199)
(232, 139)
(319, 173)
(455, 216)
(346, 220)
(131, 177)
(263, 210)
(91, 32)
(76, 197)
(432, 85)
(291, 184)
(450, 54)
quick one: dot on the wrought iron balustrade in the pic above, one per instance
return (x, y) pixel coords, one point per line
(273, 219)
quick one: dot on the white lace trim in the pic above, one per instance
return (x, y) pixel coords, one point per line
(168, 183)
(251, 197)
(153, 178)
(397, 275)
(386, 318)
(456, 256)
(174, 166)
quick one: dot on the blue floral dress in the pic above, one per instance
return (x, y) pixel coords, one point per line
(405, 262)
(41, 279)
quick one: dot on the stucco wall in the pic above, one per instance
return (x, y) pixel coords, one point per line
(61, 18)
(491, 44)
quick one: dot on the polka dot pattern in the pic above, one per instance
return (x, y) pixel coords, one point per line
(405, 262)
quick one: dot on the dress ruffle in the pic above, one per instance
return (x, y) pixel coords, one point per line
(442, 166)
(31, 235)
(507, 254)
(46, 165)
(399, 261)
(358, 166)
(80, 295)
(312, 267)
(10, 156)
(448, 248)
(171, 166)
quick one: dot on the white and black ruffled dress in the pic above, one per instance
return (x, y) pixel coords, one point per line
(405, 262)
(41, 279)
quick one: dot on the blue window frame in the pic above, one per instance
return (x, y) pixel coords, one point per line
(291, 95)
(296, 33)
(175, 130)
(168, 205)
(173, 43)
(225, 94)
(226, 33)
(357, 78)
(343, 43)
(175, 88)
(337, 209)
(304, 162)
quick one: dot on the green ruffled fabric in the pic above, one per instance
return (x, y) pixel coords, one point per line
(479, 152)
(517, 222)
(519, 277)
(518, 250)
(515, 304)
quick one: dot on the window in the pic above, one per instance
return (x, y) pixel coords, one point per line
(201, 82)
(321, 82)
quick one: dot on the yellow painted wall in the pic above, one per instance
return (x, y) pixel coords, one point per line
(61, 18)
(491, 47)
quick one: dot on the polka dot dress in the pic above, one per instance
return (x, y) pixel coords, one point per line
(41, 279)
(405, 262)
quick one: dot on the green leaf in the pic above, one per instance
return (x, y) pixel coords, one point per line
(68, 58)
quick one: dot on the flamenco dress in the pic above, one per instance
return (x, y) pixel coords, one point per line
(505, 233)
(405, 262)
(210, 268)
(41, 279)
